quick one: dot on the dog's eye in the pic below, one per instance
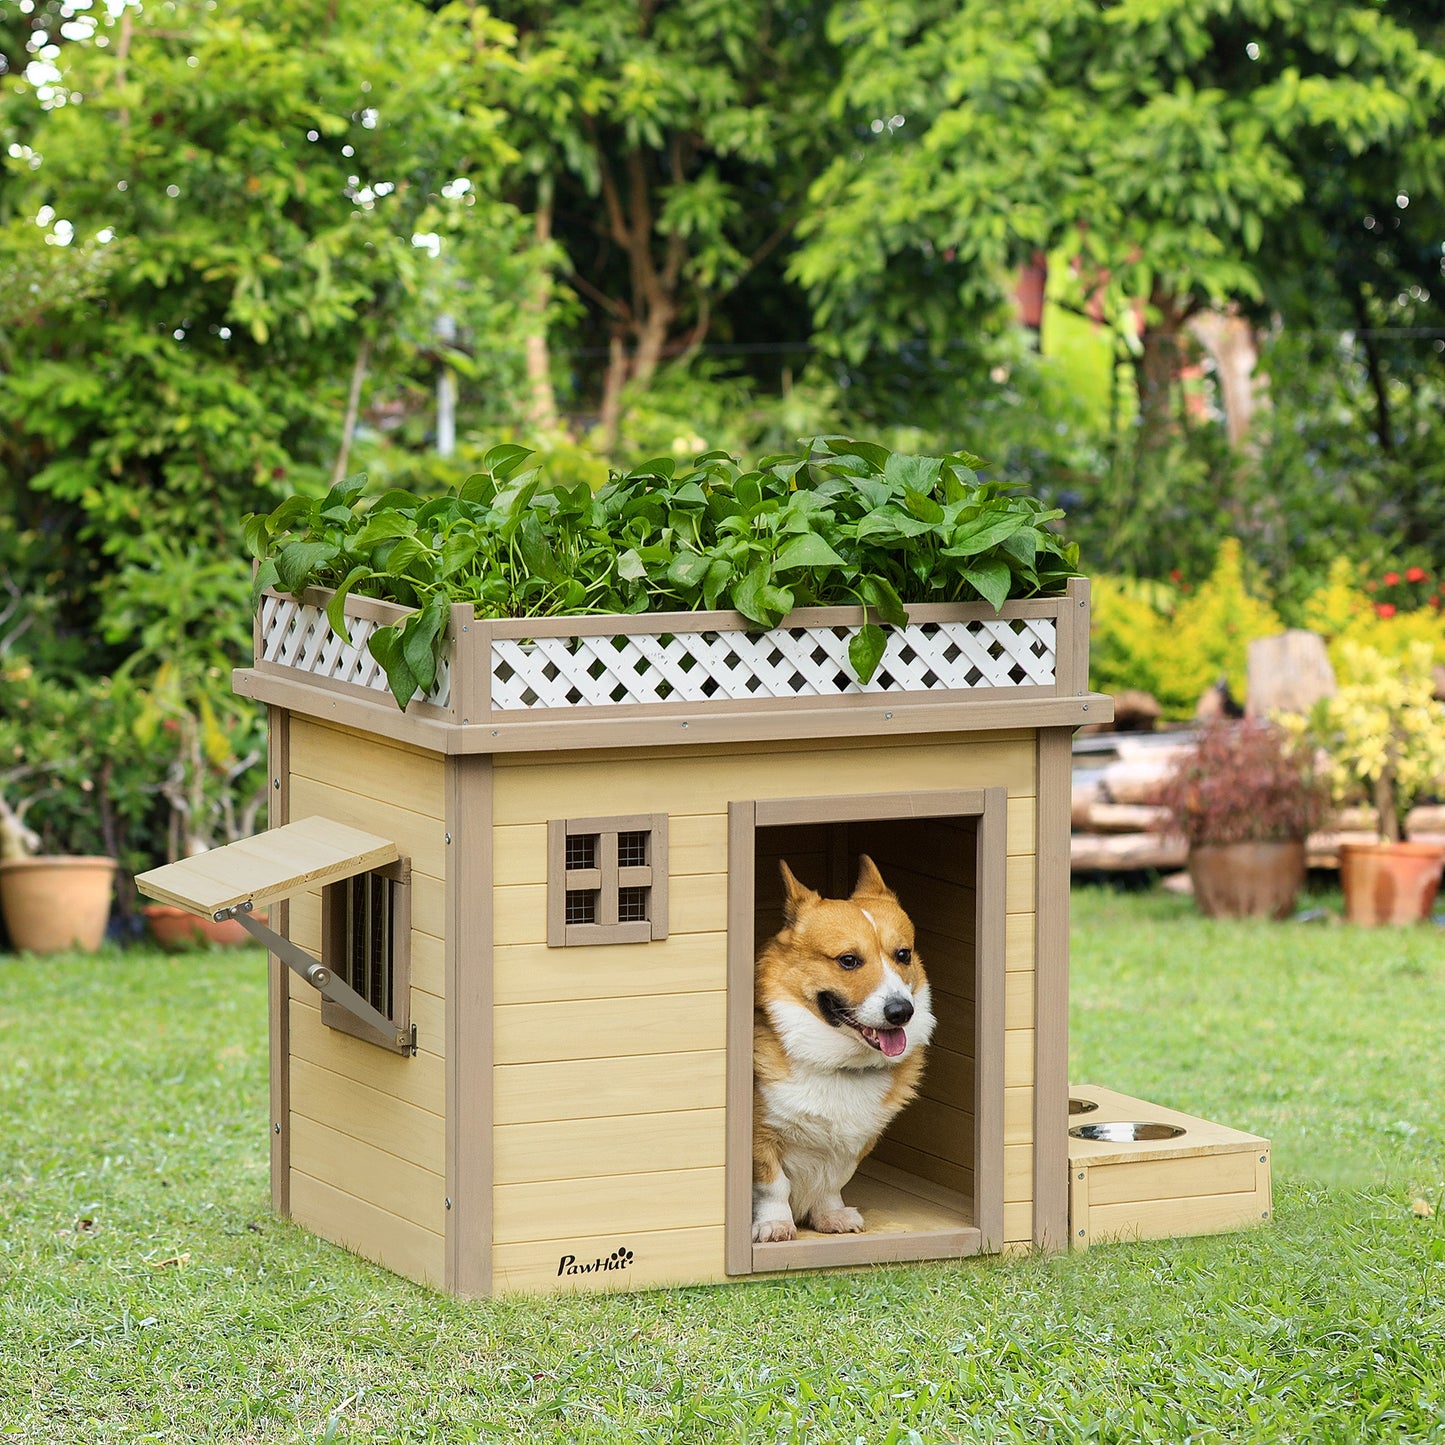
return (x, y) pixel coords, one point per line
(904, 955)
(850, 961)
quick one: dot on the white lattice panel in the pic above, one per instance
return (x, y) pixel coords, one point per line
(294, 634)
(606, 671)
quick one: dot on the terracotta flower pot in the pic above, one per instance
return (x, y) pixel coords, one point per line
(1247, 880)
(174, 928)
(56, 905)
(1390, 882)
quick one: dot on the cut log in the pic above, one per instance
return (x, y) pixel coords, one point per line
(1085, 796)
(1091, 852)
(1139, 779)
(1124, 818)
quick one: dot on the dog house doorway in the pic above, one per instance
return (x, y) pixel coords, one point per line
(933, 1186)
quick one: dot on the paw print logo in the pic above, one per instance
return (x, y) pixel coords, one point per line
(621, 1257)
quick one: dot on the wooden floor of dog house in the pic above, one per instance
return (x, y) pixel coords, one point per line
(905, 1218)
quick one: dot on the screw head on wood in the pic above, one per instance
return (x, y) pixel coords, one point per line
(276, 1128)
(275, 782)
(448, 1203)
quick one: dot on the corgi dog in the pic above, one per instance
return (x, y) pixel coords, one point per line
(841, 1018)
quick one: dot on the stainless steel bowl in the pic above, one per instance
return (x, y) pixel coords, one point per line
(1125, 1131)
(1082, 1106)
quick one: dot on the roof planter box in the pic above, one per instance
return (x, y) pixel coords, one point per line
(558, 682)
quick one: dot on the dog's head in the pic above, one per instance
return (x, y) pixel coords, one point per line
(842, 982)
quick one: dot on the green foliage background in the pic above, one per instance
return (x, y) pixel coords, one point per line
(241, 244)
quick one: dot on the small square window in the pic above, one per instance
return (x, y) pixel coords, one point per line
(581, 906)
(606, 880)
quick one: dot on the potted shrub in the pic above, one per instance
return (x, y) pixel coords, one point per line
(1383, 733)
(207, 751)
(63, 803)
(1245, 799)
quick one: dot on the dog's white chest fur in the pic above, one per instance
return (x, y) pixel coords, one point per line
(834, 1112)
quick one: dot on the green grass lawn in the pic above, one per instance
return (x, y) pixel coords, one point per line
(146, 1292)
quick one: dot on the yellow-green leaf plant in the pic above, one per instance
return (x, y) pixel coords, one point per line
(1383, 733)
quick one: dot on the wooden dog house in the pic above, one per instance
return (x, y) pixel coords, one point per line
(511, 1005)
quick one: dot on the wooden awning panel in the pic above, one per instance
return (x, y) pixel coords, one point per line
(268, 867)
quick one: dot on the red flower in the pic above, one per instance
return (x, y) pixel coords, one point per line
(1415, 574)
(1385, 609)
(1175, 575)
(1390, 579)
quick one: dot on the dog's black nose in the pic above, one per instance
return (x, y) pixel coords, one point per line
(898, 1011)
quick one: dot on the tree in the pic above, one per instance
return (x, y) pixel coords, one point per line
(273, 204)
(1160, 142)
(666, 149)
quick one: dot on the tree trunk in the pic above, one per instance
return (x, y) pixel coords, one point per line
(609, 416)
(542, 397)
(1157, 369)
(1373, 364)
(353, 408)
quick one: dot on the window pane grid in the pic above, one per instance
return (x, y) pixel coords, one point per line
(581, 906)
(632, 905)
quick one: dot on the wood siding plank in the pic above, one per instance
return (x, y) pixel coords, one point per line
(680, 963)
(595, 1088)
(360, 763)
(603, 1028)
(420, 1080)
(659, 1258)
(586, 1148)
(368, 1114)
(375, 1176)
(653, 781)
(619, 1205)
(394, 1242)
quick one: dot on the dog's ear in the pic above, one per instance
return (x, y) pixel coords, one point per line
(795, 895)
(870, 882)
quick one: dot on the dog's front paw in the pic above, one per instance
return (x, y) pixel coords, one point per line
(769, 1231)
(845, 1220)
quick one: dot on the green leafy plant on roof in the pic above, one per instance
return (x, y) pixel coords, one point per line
(839, 522)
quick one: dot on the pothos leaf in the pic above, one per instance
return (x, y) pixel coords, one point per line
(991, 579)
(385, 646)
(865, 650)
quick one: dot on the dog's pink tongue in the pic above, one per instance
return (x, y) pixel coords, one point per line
(892, 1041)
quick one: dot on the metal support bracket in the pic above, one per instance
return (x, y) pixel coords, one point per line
(324, 980)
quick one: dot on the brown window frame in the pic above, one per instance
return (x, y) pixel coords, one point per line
(607, 879)
(334, 933)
